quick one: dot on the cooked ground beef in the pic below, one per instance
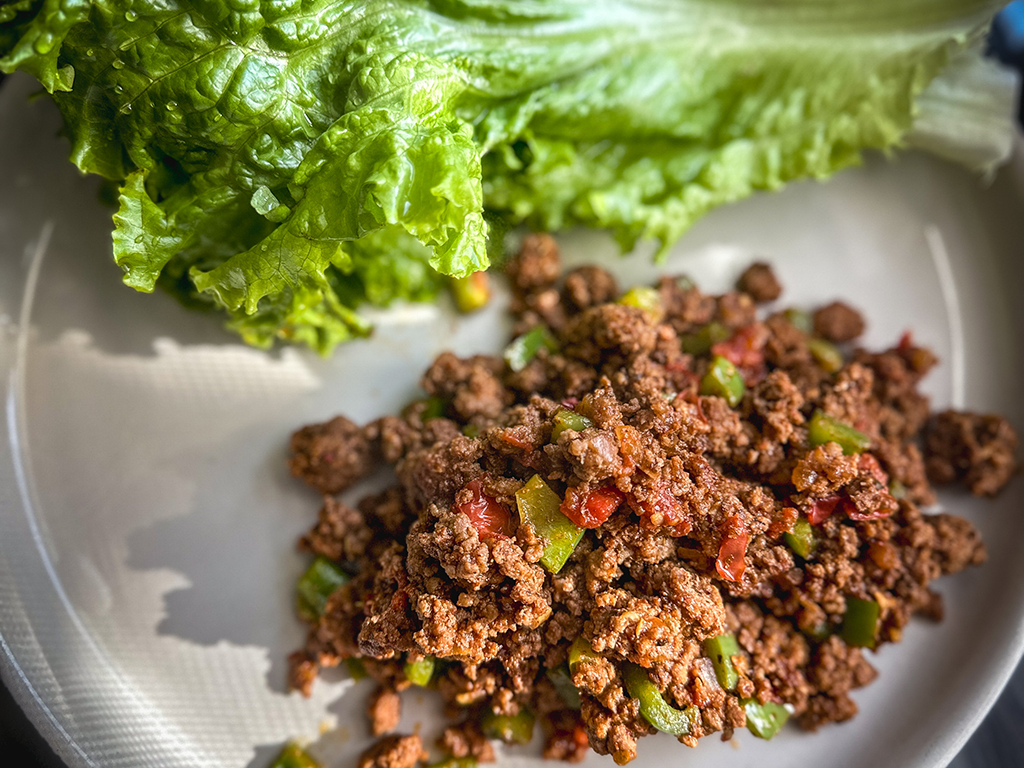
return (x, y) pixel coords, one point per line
(702, 511)
(977, 450)
(384, 710)
(759, 281)
(394, 752)
(838, 322)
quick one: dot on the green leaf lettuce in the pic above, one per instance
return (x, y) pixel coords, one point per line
(287, 160)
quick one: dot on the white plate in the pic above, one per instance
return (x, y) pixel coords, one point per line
(147, 520)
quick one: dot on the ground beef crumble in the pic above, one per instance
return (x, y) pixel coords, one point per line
(690, 507)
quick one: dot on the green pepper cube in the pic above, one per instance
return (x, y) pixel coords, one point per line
(765, 720)
(512, 729)
(524, 348)
(700, 343)
(720, 650)
(826, 354)
(653, 707)
(562, 681)
(293, 756)
(539, 506)
(564, 419)
(645, 298)
(819, 633)
(799, 319)
(824, 429)
(860, 623)
(801, 539)
(433, 408)
(723, 380)
(580, 650)
(356, 670)
(420, 671)
(897, 490)
(316, 585)
(471, 292)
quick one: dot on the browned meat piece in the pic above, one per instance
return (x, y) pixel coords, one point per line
(341, 533)
(467, 740)
(684, 501)
(587, 287)
(384, 710)
(536, 266)
(394, 752)
(473, 387)
(838, 322)
(760, 283)
(566, 738)
(301, 673)
(331, 456)
(977, 450)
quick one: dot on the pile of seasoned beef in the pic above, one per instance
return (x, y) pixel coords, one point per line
(660, 510)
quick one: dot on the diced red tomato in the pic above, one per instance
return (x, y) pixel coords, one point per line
(731, 562)
(489, 517)
(851, 511)
(660, 509)
(868, 463)
(821, 509)
(782, 522)
(906, 342)
(589, 509)
(745, 350)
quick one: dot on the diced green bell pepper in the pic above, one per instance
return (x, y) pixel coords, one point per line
(720, 650)
(645, 298)
(564, 419)
(860, 623)
(580, 650)
(539, 506)
(562, 680)
(819, 633)
(316, 585)
(700, 343)
(824, 429)
(524, 348)
(801, 539)
(826, 354)
(512, 729)
(420, 671)
(471, 292)
(799, 319)
(897, 490)
(356, 670)
(764, 720)
(653, 707)
(433, 409)
(723, 380)
(293, 756)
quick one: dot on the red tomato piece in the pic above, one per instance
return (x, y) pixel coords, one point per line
(783, 522)
(868, 463)
(731, 562)
(745, 350)
(589, 509)
(851, 512)
(821, 509)
(662, 510)
(488, 516)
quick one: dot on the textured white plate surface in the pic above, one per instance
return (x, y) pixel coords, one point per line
(147, 520)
